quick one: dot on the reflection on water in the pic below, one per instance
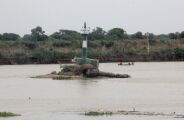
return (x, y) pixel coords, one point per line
(156, 87)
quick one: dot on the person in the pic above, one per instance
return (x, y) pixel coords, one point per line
(121, 62)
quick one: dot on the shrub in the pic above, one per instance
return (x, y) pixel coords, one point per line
(30, 45)
(45, 56)
(94, 44)
(179, 53)
(61, 43)
(8, 114)
(1, 54)
(72, 68)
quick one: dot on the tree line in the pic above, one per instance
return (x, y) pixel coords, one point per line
(38, 34)
(37, 47)
(9, 36)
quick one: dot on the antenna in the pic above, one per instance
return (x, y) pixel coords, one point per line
(85, 30)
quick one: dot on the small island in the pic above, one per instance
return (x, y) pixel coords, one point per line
(79, 72)
(84, 67)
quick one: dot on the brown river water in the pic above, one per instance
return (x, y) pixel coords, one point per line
(153, 87)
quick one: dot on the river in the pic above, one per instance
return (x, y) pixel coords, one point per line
(153, 87)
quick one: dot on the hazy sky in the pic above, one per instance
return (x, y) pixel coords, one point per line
(157, 16)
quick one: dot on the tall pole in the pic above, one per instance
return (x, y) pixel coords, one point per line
(84, 47)
(85, 32)
(148, 44)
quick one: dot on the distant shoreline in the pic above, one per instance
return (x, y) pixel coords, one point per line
(14, 62)
(63, 51)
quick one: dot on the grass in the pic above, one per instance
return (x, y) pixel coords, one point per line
(8, 114)
(63, 77)
(93, 113)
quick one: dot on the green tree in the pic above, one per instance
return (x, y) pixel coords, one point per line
(10, 36)
(26, 37)
(1, 37)
(173, 36)
(56, 35)
(37, 34)
(138, 35)
(67, 35)
(182, 34)
(151, 36)
(97, 34)
(162, 37)
(116, 34)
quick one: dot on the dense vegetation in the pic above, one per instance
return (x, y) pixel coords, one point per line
(112, 45)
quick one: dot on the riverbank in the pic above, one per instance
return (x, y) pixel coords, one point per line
(56, 51)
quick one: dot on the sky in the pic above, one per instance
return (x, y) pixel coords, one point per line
(155, 16)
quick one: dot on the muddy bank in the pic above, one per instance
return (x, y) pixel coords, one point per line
(80, 77)
(69, 72)
(124, 112)
(59, 77)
